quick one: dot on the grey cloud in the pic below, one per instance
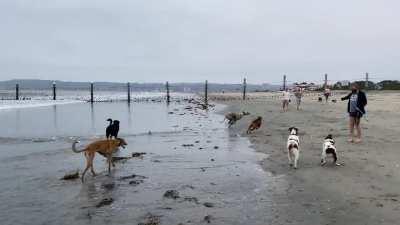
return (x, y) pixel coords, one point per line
(218, 40)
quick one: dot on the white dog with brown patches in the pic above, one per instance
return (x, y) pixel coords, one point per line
(293, 147)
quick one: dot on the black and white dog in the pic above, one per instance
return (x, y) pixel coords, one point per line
(328, 147)
(113, 129)
(293, 147)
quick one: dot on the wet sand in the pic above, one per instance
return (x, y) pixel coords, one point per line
(364, 190)
(216, 174)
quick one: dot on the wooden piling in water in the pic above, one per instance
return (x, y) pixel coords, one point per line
(16, 91)
(168, 94)
(91, 92)
(54, 91)
(206, 94)
(244, 88)
(284, 82)
(129, 92)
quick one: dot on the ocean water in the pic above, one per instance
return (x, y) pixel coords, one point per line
(188, 150)
(33, 98)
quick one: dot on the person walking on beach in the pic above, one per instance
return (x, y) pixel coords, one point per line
(356, 109)
(327, 93)
(298, 94)
(285, 100)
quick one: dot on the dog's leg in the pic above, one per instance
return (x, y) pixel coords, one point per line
(109, 159)
(91, 166)
(290, 158)
(248, 130)
(335, 158)
(251, 129)
(323, 157)
(92, 170)
(88, 164)
(84, 172)
(296, 157)
(91, 158)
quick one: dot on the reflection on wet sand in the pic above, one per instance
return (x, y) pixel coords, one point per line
(55, 118)
(92, 118)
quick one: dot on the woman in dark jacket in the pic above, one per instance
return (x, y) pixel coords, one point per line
(356, 109)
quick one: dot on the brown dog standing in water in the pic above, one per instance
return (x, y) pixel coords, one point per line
(104, 147)
(255, 125)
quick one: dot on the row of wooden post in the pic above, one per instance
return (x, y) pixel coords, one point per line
(129, 91)
(284, 86)
(206, 91)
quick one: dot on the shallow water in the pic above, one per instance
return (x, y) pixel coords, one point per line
(219, 168)
(83, 119)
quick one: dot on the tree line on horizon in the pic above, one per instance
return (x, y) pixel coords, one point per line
(382, 85)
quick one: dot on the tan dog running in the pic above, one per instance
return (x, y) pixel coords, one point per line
(232, 118)
(104, 147)
(255, 125)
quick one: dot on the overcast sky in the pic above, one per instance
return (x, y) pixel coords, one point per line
(187, 40)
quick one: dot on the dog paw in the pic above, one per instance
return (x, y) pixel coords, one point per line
(338, 164)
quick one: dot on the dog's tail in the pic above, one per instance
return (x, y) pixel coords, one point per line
(292, 146)
(74, 147)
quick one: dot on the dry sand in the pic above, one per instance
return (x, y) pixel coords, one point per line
(364, 190)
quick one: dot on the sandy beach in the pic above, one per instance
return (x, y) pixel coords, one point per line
(364, 190)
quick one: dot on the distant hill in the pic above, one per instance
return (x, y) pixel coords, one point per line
(33, 84)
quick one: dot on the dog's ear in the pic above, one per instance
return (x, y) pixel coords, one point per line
(290, 128)
(329, 136)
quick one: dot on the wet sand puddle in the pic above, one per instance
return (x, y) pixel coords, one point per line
(199, 173)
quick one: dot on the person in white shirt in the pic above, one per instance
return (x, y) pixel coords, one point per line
(285, 100)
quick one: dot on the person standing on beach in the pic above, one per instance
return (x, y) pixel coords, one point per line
(356, 109)
(285, 100)
(327, 93)
(298, 94)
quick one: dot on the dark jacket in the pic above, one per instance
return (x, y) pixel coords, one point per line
(361, 101)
